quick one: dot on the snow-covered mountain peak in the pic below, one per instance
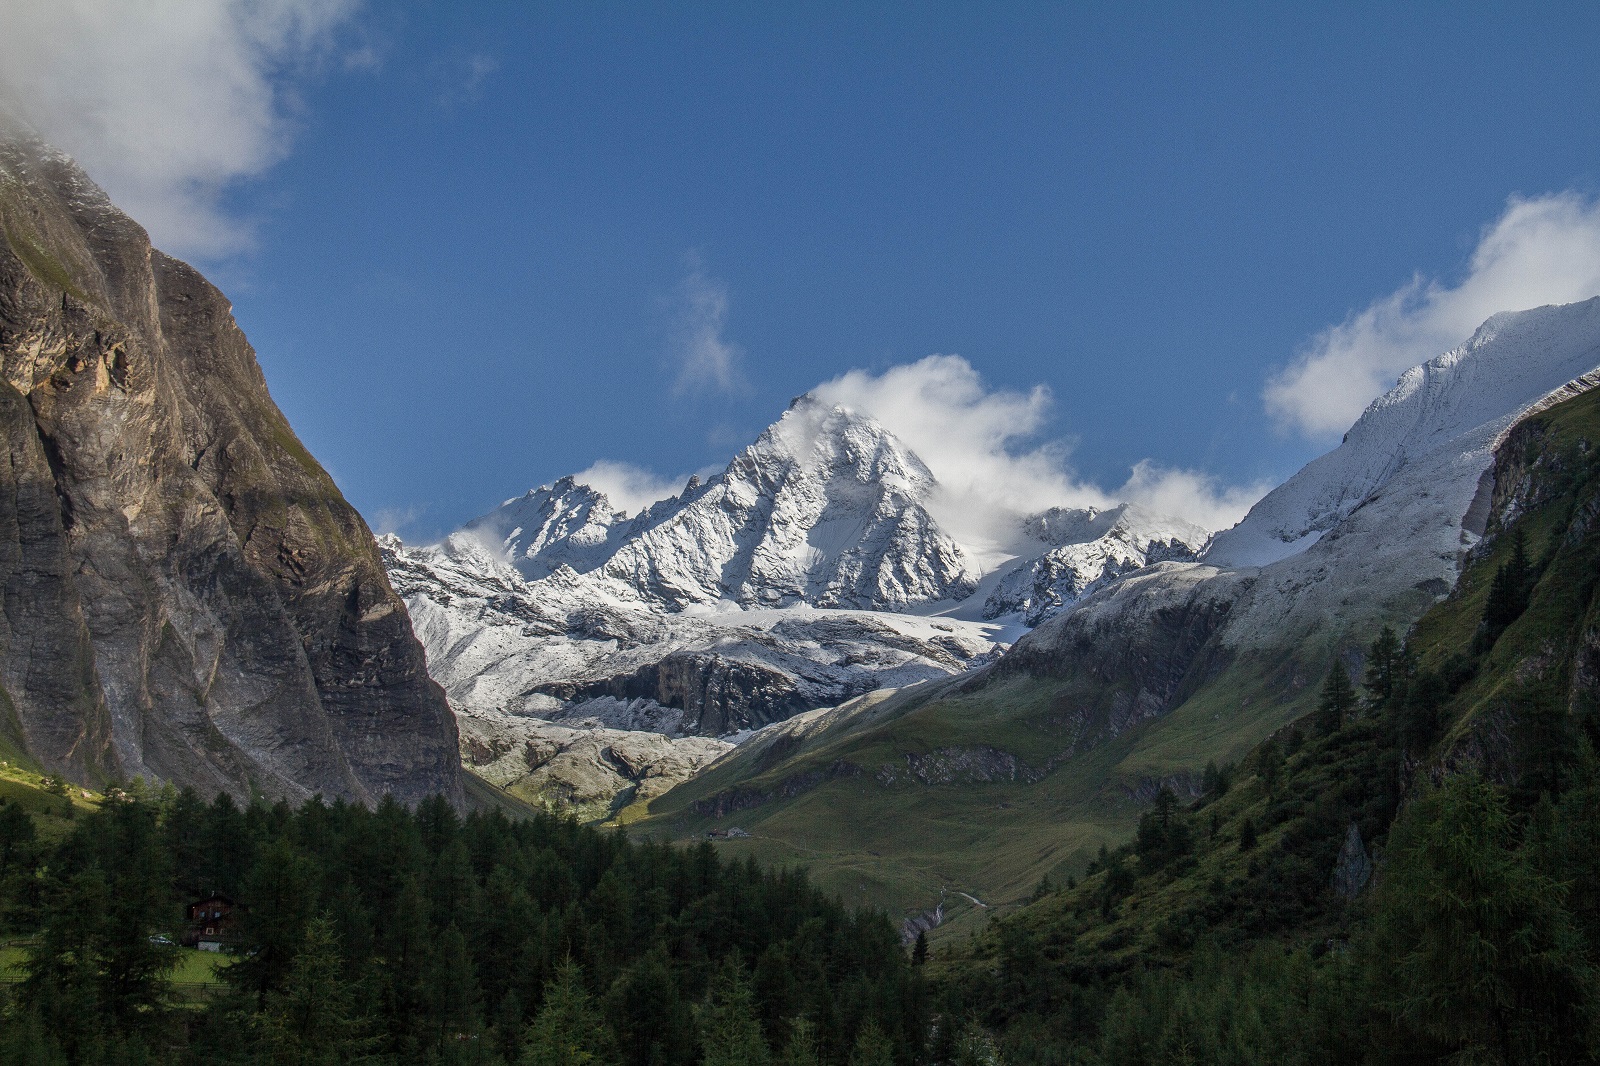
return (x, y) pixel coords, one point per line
(1084, 549)
(1454, 404)
(833, 441)
(827, 507)
(564, 524)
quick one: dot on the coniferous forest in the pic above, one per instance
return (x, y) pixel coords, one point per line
(391, 936)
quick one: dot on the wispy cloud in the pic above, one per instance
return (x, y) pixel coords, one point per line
(628, 487)
(1199, 497)
(463, 78)
(167, 103)
(980, 443)
(397, 519)
(1542, 250)
(704, 357)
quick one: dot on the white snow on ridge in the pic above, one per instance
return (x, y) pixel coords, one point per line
(825, 508)
(1085, 548)
(1446, 413)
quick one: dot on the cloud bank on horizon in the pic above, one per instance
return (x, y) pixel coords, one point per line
(165, 103)
(1541, 250)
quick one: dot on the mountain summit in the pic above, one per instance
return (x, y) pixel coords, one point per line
(827, 508)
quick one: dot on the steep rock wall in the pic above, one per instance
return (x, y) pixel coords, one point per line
(186, 594)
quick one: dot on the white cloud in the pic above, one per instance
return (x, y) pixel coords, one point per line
(978, 443)
(166, 103)
(705, 357)
(628, 487)
(1201, 498)
(1544, 250)
(396, 519)
(970, 436)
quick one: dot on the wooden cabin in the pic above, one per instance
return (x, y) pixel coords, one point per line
(211, 923)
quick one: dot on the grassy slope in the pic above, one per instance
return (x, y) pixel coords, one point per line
(52, 813)
(1278, 890)
(907, 846)
(484, 796)
(898, 846)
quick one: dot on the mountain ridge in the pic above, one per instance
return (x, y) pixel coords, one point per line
(808, 572)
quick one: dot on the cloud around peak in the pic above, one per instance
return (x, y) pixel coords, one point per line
(1541, 250)
(629, 488)
(981, 444)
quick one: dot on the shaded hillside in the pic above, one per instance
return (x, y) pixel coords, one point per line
(1438, 835)
(184, 594)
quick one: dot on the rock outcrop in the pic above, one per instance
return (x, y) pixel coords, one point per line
(580, 767)
(184, 594)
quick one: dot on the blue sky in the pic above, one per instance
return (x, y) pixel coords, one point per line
(480, 246)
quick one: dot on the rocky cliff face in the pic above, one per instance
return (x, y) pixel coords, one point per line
(186, 595)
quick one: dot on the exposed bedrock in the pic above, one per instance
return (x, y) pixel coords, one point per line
(186, 594)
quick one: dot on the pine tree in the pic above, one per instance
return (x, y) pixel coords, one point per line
(568, 1030)
(1508, 594)
(454, 1002)
(919, 951)
(801, 1050)
(1418, 709)
(1471, 944)
(729, 1030)
(1269, 765)
(1337, 700)
(1386, 668)
(653, 1023)
(872, 1047)
(278, 895)
(1159, 837)
(16, 836)
(311, 1021)
(1247, 834)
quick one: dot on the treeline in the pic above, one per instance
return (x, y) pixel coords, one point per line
(392, 936)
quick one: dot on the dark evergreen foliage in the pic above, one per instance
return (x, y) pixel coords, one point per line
(1388, 667)
(1335, 702)
(389, 936)
(1508, 594)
